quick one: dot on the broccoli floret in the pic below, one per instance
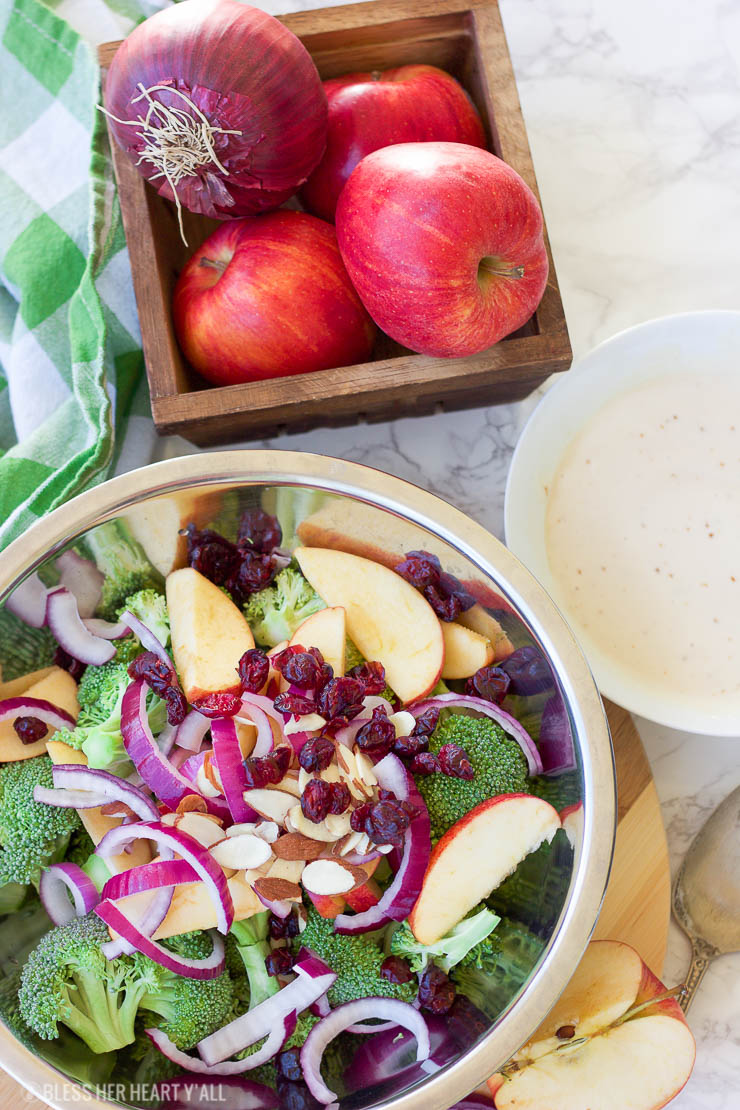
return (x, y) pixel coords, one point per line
(492, 986)
(191, 1008)
(535, 893)
(143, 1066)
(150, 606)
(564, 790)
(251, 946)
(274, 613)
(80, 848)
(467, 943)
(499, 764)
(98, 729)
(32, 835)
(124, 563)
(23, 649)
(355, 959)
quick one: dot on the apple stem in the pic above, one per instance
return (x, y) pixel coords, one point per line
(515, 272)
(674, 992)
(214, 264)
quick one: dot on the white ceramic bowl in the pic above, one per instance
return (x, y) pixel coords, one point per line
(703, 342)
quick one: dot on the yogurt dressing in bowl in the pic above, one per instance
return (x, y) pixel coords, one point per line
(642, 531)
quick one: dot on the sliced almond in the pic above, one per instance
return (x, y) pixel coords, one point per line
(346, 759)
(365, 769)
(192, 803)
(267, 830)
(362, 847)
(278, 890)
(338, 824)
(242, 851)
(170, 819)
(304, 777)
(273, 805)
(294, 846)
(301, 824)
(403, 722)
(252, 874)
(309, 722)
(349, 843)
(365, 791)
(290, 869)
(384, 849)
(289, 784)
(241, 828)
(201, 829)
(204, 784)
(211, 772)
(120, 809)
(328, 876)
(330, 773)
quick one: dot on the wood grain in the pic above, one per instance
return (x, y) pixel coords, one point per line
(466, 38)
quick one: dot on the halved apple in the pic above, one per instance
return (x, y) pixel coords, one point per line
(209, 634)
(327, 631)
(57, 687)
(466, 651)
(475, 856)
(598, 1049)
(387, 619)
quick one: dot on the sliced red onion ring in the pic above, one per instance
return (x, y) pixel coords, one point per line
(373, 701)
(265, 742)
(104, 786)
(149, 876)
(28, 601)
(200, 859)
(146, 638)
(186, 1091)
(230, 763)
(401, 1013)
(208, 968)
(83, 579)
(66, 625)
(11, 708)
(501, 717)
(146, 915)
(192, 731)
(105, 629)
(313, 979)
(399, 898)
(279, 907)
(166, 739)
(265, 704)
(276, 1038)
(189, 766)
(347, 734)
(54, 884)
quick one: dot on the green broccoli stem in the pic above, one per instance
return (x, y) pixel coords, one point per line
(261, 985)
(105, 1026)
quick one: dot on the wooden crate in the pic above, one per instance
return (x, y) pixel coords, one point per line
(464, 37)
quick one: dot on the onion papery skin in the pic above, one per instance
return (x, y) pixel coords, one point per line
(246, 72)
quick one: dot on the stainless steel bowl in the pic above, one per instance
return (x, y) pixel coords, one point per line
(366, 511)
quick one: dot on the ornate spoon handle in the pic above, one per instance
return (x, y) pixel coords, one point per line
(701, 957)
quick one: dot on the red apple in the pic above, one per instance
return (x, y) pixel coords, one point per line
(444, 244)
(367, 111)
(268, 297)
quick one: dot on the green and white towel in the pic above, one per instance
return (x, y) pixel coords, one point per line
(70, 359)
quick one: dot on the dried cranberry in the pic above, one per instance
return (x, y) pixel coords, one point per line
(257, 773)
(218, 705)
(316, 800)
(378, 736)
(292, 925)
(211, 554)
(426, 722)
(290, 702)
(252, 574)
(288, 1064)
(279, 761)
(326, 674)
(436, 991)
(267, 770)
(295, 1096)
(254, 669)
(279, 962)
(155, 672)
(316, 654)
(340, 798)
(528, 671)
(425, 763)
(386, 823)
(454, 762)
(410, 809)
(177, 705)
(276, 926)
(420, 568)
(68, 663)
(301, 670)
(466, 1023)
(447, 606)
(396, 970)
(359, 816)
(491, 683)
(259, 530)
(341, 697)
(316, 754)
(408, 746)
(371, 675)
(30, 729)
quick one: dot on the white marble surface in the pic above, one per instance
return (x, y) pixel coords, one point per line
(632, 113)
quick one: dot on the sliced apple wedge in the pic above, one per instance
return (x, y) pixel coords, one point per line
(480, 621)
(14, 687)
(57, 687)
(387, 619)
(209, 634)
(598, 1048)
(477, 854)
(327, 631)
(466, 651)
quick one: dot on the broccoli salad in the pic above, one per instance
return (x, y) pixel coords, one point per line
(301, 823)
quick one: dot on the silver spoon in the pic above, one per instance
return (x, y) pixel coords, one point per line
(706, 894)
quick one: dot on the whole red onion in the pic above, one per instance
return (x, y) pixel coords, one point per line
(219, 105)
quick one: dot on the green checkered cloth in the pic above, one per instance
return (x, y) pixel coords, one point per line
(70, 359)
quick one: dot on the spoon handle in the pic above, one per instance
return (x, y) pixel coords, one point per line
(701, 958)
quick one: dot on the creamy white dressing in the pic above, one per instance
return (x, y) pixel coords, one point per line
(643, 536)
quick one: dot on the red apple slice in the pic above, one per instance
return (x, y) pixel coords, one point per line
(484, 624)
(327, 631)
(209, 634)
(466, 651)
(604, 1058)
(387, 619)
(475, 856)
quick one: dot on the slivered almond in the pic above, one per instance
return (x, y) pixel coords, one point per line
(297, 846)
(278, 890)
(191, 803)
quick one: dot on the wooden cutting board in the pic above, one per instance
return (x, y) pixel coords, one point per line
(637, 903)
